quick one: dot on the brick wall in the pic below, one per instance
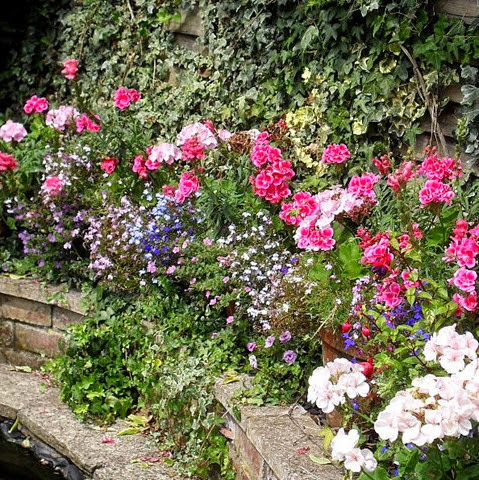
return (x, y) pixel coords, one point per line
(33, 319)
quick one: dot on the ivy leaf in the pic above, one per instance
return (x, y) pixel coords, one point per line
(310, 34)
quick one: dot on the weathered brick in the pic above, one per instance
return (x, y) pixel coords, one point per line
(251, 462)
(6, 333)
(37, 340)
(26, 311)
(63, 318)
(33, 360)
(43, 293)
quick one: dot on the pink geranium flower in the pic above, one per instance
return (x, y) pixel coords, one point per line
(336, 153)
(188, 185)
(7, 162)
(124, 97)
(435, 191)
(35, 104)
(108, 165)
(161, 154)
(464, 279)
(53, 185)
(12, 131)
(70, 68)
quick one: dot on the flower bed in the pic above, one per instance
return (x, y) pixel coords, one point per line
(217, 252)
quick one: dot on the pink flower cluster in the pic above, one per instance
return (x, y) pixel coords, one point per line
(7, 162)
(363, 186)
(464, 249)
(400, 177)
(303, 205)
(188, 185)
(109, 165)
(70, 68)
(162, 153)
(336, 153)
(382, 164)
(435, 191)
(124, 97)
(440, 169)
(193, 149)
(264, 153)
(35, 104)
(12, 131)
(139, 167)
(379, 254)
(86, 123)
(52, 185)
(272, 182)
(311, 237)
(377, 251)
(437, 407)
(200, 132)
(61, 117)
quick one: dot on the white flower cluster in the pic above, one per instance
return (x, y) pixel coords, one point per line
(329, 385)
(259, 262)
(344, 449)
(437, 407)
(451, 349)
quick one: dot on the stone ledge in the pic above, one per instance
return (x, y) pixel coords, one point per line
(31, 289)
(266, 439)
(43, 416)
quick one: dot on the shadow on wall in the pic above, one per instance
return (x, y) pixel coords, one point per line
(17, 19)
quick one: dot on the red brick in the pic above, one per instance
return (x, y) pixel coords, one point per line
(37, 340)
(26, 311)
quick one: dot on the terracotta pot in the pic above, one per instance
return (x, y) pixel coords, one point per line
(333, 347)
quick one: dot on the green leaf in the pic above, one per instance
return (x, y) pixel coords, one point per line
(130, 431)
(320, 460)
(311, 33)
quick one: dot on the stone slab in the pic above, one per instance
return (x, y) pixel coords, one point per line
(42, 415)
(273, 435)
(37, 291)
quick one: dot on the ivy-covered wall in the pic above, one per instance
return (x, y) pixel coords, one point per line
(367, 72)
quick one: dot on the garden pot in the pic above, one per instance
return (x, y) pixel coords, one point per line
(333, 347)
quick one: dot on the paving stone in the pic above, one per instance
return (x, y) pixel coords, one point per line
(42, 415)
